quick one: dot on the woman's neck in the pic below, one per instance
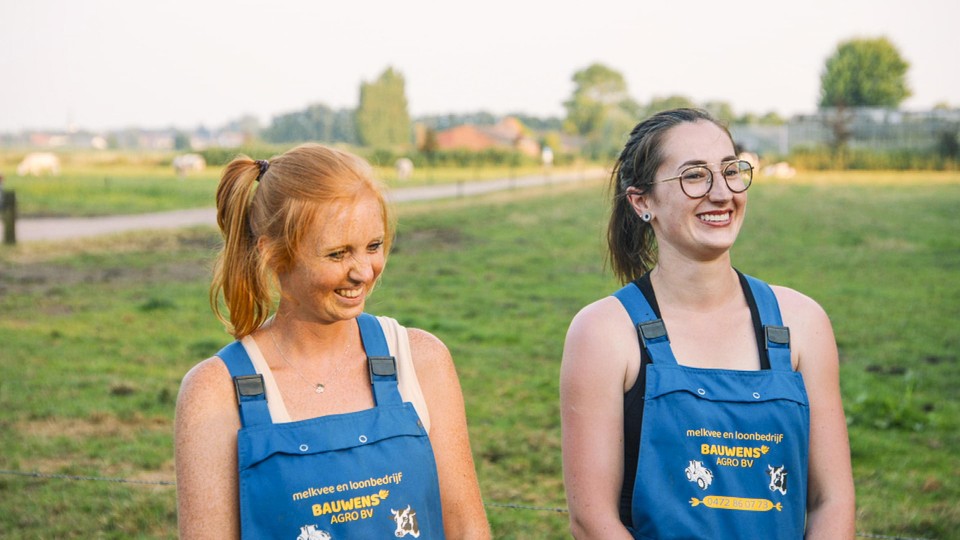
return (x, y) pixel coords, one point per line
(303, 335)
(695, 285)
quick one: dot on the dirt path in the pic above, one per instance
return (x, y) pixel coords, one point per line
(36, 229)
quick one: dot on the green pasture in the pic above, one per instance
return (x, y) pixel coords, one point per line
(117, 183)
(95, 336)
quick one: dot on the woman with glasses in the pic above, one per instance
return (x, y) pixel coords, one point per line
(698, 402)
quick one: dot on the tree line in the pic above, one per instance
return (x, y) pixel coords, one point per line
(861, 72)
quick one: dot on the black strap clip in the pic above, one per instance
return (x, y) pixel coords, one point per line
(381, 366)
(248, 386)
(779, 335)
(652, 330)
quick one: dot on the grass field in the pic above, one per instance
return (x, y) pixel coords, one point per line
(95, 336)
(125, 184)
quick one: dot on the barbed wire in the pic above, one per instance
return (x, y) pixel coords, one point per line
(36, 474)
(509, 506)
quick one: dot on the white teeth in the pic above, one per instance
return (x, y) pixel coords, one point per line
(714, 218)
(349, 293)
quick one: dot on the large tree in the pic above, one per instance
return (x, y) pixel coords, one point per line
(861, 73)
(659, 104)
(383, 120)
(600, 109)
(317, 122)
(864, 73)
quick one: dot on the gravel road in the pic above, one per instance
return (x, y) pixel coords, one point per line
(36, 229)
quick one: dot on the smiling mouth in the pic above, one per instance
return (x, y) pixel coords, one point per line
(715, 217)
(350, 293)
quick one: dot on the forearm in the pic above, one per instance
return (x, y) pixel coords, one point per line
(594, 529)
(832, 520)
(479, 531)
(471, 524)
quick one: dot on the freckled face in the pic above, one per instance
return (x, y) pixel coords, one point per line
(338, 264)
(701, 228)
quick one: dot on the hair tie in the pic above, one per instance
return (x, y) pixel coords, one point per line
(264, 165)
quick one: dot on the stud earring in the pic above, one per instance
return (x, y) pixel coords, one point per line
(646, 217)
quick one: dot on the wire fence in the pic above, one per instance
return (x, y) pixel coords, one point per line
(507, 506)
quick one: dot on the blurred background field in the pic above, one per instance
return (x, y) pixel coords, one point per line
(855, 126)
(115, 182)
(95, 336)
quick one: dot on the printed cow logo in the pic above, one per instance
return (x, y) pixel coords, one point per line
(696, 472)
(311, 532)
(406, 521)
(778, 479)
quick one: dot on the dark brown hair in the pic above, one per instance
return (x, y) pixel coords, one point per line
(631, 243)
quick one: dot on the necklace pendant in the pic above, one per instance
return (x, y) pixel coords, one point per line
(319, 388)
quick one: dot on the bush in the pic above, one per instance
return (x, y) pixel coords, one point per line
(462, 158)
(218, 156)
(824, 158)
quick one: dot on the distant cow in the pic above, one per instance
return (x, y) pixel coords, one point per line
(189, 162)
(404, 168)
(406, 521)
(38, 163)
(780, 170)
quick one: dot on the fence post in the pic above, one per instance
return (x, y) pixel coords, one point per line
(8, 214)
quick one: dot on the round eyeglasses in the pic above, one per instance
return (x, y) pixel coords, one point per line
(696, 181)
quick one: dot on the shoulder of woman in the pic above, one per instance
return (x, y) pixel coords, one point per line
(600, 347)
(601, 319)
(811, 332)
(798, 308)
(428, 350)
(207, 384)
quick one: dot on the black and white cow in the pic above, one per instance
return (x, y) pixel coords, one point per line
(406, 521)
(778, 479)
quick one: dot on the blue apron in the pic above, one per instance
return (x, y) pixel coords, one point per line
(723, 453)
(367, 474)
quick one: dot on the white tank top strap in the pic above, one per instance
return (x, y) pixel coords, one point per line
(409, 385)
(398, 342)
(278, 410)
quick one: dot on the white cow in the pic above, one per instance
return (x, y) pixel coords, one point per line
(778, 478)
(780, 170)
(38, 163)
(189, 162)
(406, 521)
(404, 168)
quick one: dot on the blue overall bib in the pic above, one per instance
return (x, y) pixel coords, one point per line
(723, 453)
(362, 475)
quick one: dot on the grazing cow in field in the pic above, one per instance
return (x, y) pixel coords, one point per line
(404, 168)
(406, 521)
(189, 162)
(780, 170)
(38, 163)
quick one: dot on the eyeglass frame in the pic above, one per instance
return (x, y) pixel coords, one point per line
(723, 164)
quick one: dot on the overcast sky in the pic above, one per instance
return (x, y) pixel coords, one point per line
(105, 64)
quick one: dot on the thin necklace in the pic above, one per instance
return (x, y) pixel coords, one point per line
(318, 387)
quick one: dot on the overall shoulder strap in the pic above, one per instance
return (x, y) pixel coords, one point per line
(777, 336)
(650, 329)
(251, 394)
(382, 366)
